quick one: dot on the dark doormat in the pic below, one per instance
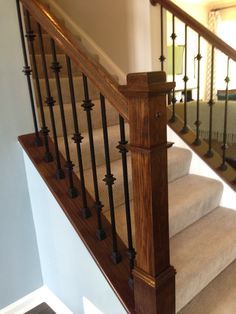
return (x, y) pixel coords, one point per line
(41, 309)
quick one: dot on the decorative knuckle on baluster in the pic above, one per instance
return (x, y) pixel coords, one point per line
(30, 35)
(87, 105)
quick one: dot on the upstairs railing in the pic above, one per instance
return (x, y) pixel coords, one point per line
(205, 109)
(140, 109)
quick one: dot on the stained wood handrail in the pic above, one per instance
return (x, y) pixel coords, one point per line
(198, 27)
(95, 72)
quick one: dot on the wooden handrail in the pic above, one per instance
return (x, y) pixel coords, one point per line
(197, 27)
(95, 72)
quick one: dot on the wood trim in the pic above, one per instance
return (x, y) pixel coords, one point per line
(198, 27)
(95, 72)
(116, 275)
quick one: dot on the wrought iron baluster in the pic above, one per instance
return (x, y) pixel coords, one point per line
(109, 181)
(50, 103)
(31, 38)
(88, 105)
(211, 103)
(185, 79)
(123, 150)
(198, 122)
(72, 191)
(78, 140)
(223, 166)
(162, 57)
(173, 100)
(27, 71)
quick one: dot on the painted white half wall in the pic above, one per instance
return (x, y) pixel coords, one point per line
(68, 269)
(20, 271)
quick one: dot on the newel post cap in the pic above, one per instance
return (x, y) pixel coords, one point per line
(146, 83)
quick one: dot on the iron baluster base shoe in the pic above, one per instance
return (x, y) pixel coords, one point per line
(86, 213)
(38, 142)
(48, 157)
(101, 234)
(72, 191)
(184, 130)
(172, 119)
(60, 174)
(116, 257)
(223, 167)
(209, 154)
(197, 142)
(131, 282)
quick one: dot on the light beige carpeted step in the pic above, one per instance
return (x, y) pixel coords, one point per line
(179, 160)
(200, 252)
(116, 169)
(188, 202)
(61, 59)
(219, 297)
(190, 198)
(114, 138)
(78, 86)
(46, 44)
(112, 116)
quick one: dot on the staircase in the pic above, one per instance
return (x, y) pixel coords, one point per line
(202, 233)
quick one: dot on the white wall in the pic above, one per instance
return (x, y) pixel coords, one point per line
(125, 34)
(19, 261)
(67, 267)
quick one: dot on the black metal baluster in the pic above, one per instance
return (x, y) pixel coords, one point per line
(185, 79)
(198, 122)
(211, 103)
(31, 37)
(162, 57)
(123, 150)
(109, 180)
(72, 191)
(78, 140)
(173, 100)
(223, 166)
(50, 103)
(27, 71)
(88, 105)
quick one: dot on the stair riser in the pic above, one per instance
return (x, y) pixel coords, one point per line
(61, 60)
(78, 86)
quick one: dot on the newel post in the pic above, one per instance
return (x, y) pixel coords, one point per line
(154, 277)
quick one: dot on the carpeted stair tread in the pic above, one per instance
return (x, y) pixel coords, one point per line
(46, 43)
(190, 198)
(98, 144)
(116, 170)
(202, 251)
(78, 86)
(179, 160)
(112, 117)
(219, 297)
(185, 205)
(61, 59)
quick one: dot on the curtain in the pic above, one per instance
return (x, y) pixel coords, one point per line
(213, 23)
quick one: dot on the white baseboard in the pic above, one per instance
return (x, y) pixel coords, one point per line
(89, 43)
(35, 298)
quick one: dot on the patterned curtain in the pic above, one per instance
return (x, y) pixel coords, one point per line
(213, 22)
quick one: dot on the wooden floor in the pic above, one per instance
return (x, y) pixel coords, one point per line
(41, 309)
